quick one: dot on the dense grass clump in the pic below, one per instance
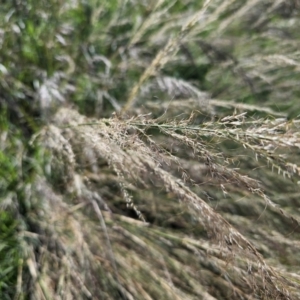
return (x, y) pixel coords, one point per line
(149, 150)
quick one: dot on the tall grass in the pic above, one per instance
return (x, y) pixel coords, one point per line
(149, 150)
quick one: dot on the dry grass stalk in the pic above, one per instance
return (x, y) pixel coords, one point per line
(110, 140)
(164, 55)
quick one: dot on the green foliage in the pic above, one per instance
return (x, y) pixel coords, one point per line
(10, 255)
(10, 250)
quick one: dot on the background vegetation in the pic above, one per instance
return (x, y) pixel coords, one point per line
(149, 149)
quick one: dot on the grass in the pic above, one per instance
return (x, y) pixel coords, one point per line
(149, 150)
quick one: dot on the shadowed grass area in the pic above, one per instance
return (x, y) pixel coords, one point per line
(149, 150)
